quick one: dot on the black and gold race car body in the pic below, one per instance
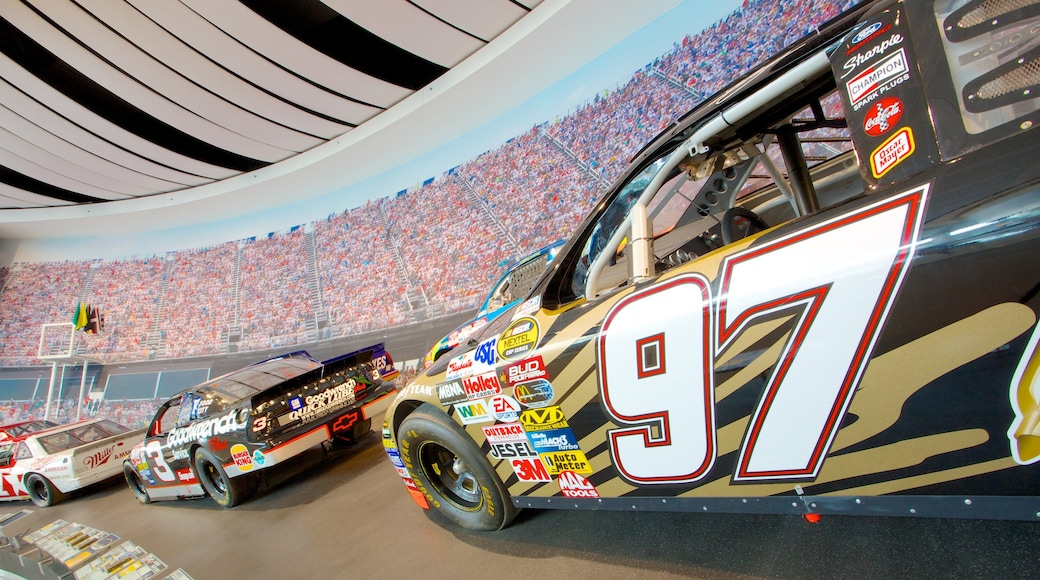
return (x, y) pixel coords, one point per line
(213, 439)
(816, 294)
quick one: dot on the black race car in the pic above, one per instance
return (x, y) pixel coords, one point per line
(816, 293)
(212, 438)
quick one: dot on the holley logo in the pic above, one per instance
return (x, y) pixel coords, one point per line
(883, 116)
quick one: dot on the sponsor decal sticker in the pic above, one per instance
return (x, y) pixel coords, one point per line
(243, 460)
(258, 458)
(451, 392)
(881, 117)
(473, 412)
(535, 394)
(861, 58)
(518, 339)
(555, 440)
(574, 485)
(528, 307)
(99, 458)
(877, 78)
(481, 386)
(530, 469)
(200, 430)
(510, 450)
(559, 461)
(413, 490)
(504, 408)
(460, 366)
(485, 356)
(319, 404)
(543, 419)
(894, 150)
(864, 34)
(509, 433)
(524, 371)
(296, 403)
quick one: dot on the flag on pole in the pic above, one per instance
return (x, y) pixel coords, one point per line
(79, 316)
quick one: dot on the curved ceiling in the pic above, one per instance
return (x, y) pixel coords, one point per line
(116, 106)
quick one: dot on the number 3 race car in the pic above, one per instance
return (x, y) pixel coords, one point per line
(46, 465)
(816, 293)
(212, 439)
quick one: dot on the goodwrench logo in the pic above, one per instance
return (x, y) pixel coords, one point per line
(883, 116)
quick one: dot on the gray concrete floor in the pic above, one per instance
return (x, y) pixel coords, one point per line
(347, 515)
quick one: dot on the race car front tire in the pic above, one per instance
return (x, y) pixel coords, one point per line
(133, 479)
(41, 491)
(226, 491)
(452, 472)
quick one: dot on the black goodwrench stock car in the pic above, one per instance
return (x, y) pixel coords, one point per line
(212, 438)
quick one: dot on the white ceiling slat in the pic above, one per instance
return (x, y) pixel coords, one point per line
(40, 173)
(532, 4)
(12, 197)
(211, 41)
(32, 151)
(409, 28)
(69, 109)
(154, 74)
(134, 93)
(168, 49)
(24, 129)
(282, 48)
(484, 18)
(147, 172)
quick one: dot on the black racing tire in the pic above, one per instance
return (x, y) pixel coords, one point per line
(226, 491)
(133, 480)
(452, 472)
(731, 232)
(360, 429)
(41, 491)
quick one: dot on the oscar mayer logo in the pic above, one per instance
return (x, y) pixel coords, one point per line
(895, 149)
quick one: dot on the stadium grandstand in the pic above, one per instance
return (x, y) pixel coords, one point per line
(364, 274)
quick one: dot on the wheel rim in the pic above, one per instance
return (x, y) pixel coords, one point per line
(450, 476)
(135, 484)
(39, 489)
(214, 477)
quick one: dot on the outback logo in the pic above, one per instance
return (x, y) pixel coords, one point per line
(99, 458)
(861, 58)
(865, 33)
(882, 116)
(543, 419)
(535, 394)
(574, 485)
(518, 339)
(895, 149)
(510, 433)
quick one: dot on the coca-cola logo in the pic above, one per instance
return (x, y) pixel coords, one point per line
(883, 116)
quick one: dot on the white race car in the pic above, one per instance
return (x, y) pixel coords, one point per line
(48, 465)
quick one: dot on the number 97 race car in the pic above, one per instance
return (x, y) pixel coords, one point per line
(212, 439)
(815, 294)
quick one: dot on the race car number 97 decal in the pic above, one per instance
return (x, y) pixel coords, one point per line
(657, 346)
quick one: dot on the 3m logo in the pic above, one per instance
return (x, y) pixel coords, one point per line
(530, 469)
(543, 419)
(574, 485)
(473, 412)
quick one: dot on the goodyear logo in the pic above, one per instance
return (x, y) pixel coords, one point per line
(545, 419)
(557, 462)
(518, 339)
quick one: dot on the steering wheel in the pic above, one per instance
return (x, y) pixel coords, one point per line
(739, 223)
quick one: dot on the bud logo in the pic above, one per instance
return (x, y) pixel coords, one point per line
(882, 116)
(243, 460)
(451, 392)
(504, 433)
(535, 394)
(524, 371)
(481, 386)
(895, 149)
(504, 408)
(543, 419)
(518, 339)
(473, 412)
(560, 461)
(574, 485)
